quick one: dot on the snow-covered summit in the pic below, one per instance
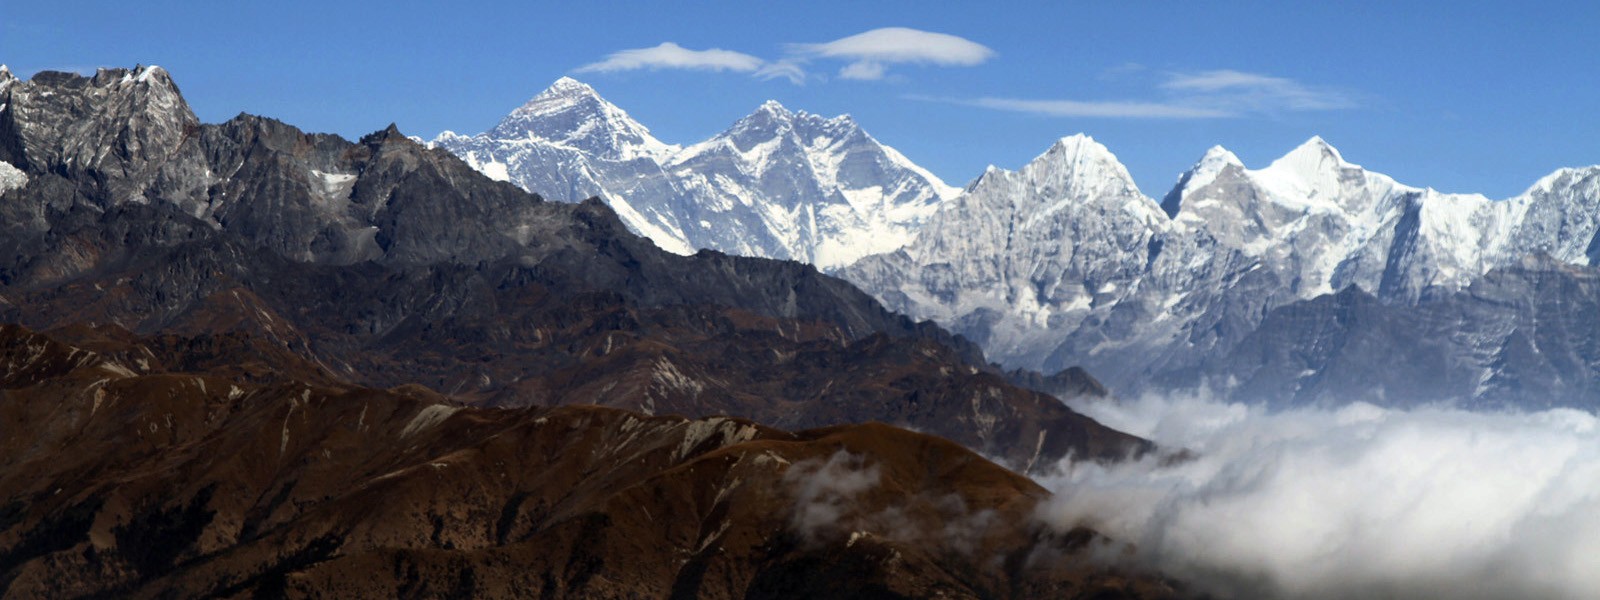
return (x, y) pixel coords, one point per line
(1212, 164)
(146, 73)
(570, 113)
(1082, 167)
(569, 85)
(1314, 171)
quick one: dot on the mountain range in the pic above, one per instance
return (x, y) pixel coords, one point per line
(1065, 262)
(776, 184)
(242, 359)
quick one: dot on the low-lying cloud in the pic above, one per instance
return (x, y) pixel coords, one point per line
(1357, 501)
(830, 506)
(825, 494)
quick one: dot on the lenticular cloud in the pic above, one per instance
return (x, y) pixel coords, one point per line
(1349, 502)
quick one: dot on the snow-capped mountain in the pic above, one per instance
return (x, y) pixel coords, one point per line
(777, 184)
(1264, 283)
(1066, 263)
(568, 143)
(1332, 224)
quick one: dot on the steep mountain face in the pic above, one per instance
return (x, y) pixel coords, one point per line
(1022, 254)
(1078, 268)
(416, 269)
(570, 144)
(1521, 336)
(777, 184)
(123, 475)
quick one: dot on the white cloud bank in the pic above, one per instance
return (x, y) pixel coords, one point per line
(870, 53)
(1351, 502)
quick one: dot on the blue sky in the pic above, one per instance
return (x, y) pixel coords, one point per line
(1460, 96)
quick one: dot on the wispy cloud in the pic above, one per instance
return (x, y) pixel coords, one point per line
(867, 56)
(1075, 108)
(789, 69)
(1201, 95)
(871, 53)
(1242, 91)
(669, 55)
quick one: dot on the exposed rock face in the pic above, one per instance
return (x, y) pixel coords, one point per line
(409, 267)
(1522, 336)
(1066, 263)
(115, 135)
(120, 477)
(777, 184)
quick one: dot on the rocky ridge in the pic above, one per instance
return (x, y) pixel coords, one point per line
(121, 475)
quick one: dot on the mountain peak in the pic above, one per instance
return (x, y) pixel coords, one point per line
(146, 73)
(140, 74)
(1314, 151)
(1081, 149)
(773, 107)
(1311, 166)
(1217, 155)
(570, 113)
(1205, 171)
(1077, 140)
(769, 121)
(568, 84)
(1081, 163)
(566, 91)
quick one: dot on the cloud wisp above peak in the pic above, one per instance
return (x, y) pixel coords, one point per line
(789, 69)
(669, 55)
(871, 53)
(1212, 94)
(1253, 91)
